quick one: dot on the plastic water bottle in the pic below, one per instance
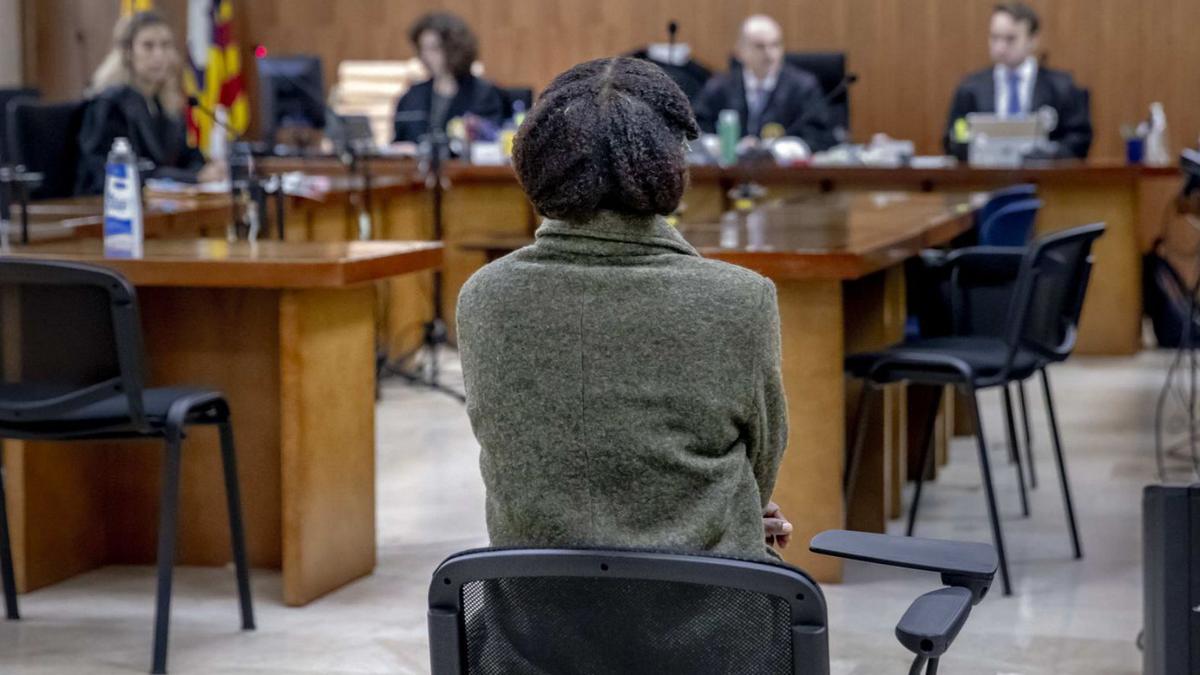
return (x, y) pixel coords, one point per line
(123, 225)
(729, 128)
(1158, 151)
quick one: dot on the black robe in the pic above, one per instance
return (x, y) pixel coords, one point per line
(797, 103)
(155, 136)
(1053, 88)
(475, 95)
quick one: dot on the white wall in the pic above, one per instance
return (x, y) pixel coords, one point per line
(10, 43)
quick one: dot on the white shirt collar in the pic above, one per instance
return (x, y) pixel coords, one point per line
(1025, 71)
(752, 83)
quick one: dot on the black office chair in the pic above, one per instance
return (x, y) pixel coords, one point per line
(1038, 327)
(830, 70)
(80, 377)
(998, 199)
(509, 96)
(1007, 219)
(44, 138)
(691, 75)
(621, 611)
(6, 95)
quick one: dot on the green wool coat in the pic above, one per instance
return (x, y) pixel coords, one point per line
(625, 391)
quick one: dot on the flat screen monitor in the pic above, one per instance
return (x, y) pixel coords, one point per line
(291, 93)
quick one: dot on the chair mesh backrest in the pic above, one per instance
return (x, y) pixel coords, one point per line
(578, 625)
(501, 611)
(1057, 275)
(58, 333)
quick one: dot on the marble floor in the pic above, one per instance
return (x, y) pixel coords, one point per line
(1066, 616)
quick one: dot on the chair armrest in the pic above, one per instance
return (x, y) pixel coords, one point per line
(932, 621)
(933, 258)
(964, 564)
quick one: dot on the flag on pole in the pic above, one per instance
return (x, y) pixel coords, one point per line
(214, 73)
(134, 6)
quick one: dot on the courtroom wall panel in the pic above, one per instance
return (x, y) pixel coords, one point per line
(909, 53)
(10, 43)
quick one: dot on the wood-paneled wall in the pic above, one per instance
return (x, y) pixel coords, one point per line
(909, 54)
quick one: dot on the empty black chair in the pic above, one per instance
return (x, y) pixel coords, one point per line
(1007, 219)
(619, 611)
(44, 138)
(830, 70)
(991, 348)
(79, 376)
(6, 95)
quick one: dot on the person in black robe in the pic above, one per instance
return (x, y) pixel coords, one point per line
(768, 94)
(1017, 85)
(447, 48)
(138, 97)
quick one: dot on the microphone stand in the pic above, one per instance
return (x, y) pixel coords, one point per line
(351, 157)
(841, 134)
(6, 184)
(427, 372)
(14, 187)
(247, 193)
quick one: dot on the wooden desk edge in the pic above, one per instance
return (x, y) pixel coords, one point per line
(285, 276)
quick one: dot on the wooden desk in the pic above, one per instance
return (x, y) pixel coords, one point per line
(836, 260)
(287, 331)
(75, 217)
(1131, 200)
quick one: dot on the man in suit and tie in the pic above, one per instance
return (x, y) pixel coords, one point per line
(771, 97)
(1017, 85)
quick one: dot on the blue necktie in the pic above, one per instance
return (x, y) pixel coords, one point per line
(1014, 93)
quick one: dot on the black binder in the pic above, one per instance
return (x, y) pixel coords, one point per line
(1171, 569)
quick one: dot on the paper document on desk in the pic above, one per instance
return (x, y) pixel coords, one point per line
(166, 186)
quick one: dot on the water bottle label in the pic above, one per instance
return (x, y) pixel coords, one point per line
(122, 205)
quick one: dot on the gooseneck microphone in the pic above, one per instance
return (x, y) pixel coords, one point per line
(842, 87)
(232, 133)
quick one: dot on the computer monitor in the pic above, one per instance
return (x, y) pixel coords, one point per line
(291, 94)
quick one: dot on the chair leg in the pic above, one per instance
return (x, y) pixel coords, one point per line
(1062, 467)
(236, 532)
(850, 477)
(168, 518)
(926, 460)
(1011, 432)
(1028, 435)
(990, 492)
(6, 561)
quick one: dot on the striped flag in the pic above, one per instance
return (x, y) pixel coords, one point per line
(214, 75)
(133, 6)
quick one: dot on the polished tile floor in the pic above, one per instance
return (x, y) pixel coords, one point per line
(1066, 617)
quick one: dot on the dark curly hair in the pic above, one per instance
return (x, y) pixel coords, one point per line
(606, 135)
(458, 41)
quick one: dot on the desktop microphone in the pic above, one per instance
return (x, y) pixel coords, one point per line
(672, 30)
(232, 133)
(841, 88)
